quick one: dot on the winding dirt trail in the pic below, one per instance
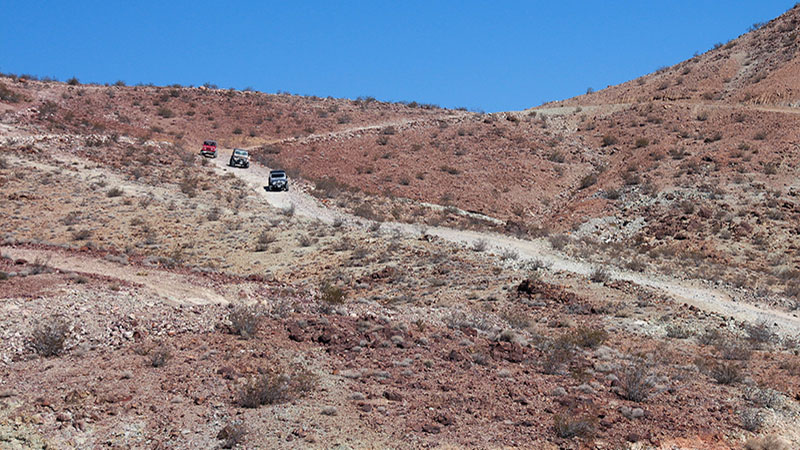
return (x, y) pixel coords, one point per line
(681, 291)
(173, 287)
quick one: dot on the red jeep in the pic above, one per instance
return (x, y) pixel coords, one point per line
(209, 149)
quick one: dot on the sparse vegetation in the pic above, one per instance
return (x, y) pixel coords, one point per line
(245, 320)
(50, 335)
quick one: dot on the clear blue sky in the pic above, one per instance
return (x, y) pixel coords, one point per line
(477, 54)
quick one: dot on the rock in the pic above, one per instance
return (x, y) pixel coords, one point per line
(431, 428)
(455, 356)
(329, 411)
(633, 437)
(393, 396)
(444, 419)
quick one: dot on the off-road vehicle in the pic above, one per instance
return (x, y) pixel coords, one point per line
(239, 158)
(209, 148)
(278, 181)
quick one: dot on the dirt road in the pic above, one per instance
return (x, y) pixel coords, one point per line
(682, 291)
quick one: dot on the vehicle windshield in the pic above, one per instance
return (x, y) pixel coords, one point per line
(277, 175)
(238, 152)
(211, 143)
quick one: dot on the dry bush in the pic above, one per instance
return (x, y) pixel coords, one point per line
(588, 337)
(558, 354)
(752, 419)
(677, 331)
(331, 294)
(49, 336)
(245, 320)
(635, 382)
(726, 373)
(600, 275)
(232, 435)
(764, 397)
(568, 426)
(214, 214)
(559, 241)
(710, 337)
(305, 240)
(609, 140)
(760, 334)
(288, 211)
(587, 181)
(165, 112)
(275, 387)
(263, 241)
(114, 192)
(509, 254)
(732, 348)
(159, 356)
(480, 245)
(81, 235)
(516, 318)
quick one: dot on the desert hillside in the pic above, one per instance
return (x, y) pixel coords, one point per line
(616, 270)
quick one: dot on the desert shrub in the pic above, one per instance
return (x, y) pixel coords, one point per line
(245, 320)
(613, 194)
(676, 331)
(760, 334)
(288, 211)
(635, 382)
(159, 356)
(516, 318)
(237, 130)
(114, 192)
(556, 157)
(642, 142)
(568, 426)
(214, 214)
(733, 349)
(267, 389)
(558, 354)
(232, 435)
(263, 241)
(751, 419)
(509, 254)
(726, 373)
(710, 337)
(165, 112)
(450, 170)
(73, 81)
(305, 240)
(7, 95)
(600, 275)
(609, 140)
(331, 294)
(480, 245)
(558, 241)
(81, 235)
(49, 336)
(764, 397)
(588, 337)
(188, 185)
(588, 180)
(275, 387)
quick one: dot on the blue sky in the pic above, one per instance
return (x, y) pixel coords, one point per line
(482, 55)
